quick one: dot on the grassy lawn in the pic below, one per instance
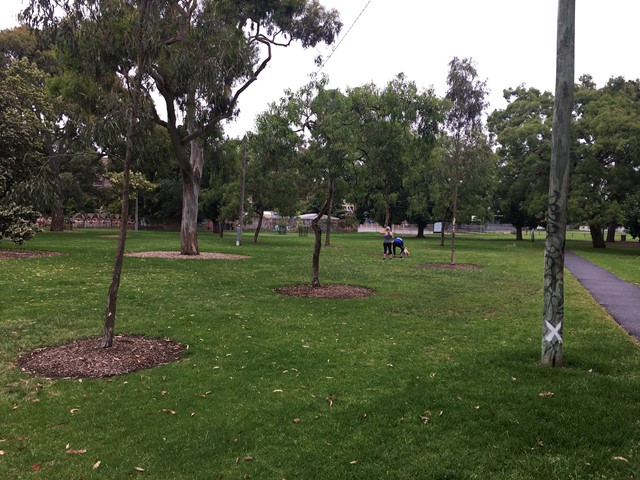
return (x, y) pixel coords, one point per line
(434, 377)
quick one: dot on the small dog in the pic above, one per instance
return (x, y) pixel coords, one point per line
(406, 252)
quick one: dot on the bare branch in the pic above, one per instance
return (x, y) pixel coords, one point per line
(234, 100)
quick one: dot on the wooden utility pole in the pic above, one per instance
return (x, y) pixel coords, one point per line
(558, 186)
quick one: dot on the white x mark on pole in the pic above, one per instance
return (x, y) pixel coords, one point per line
(553, 332)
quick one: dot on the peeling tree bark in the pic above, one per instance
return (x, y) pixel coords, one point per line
(552, 324)
(191, 178)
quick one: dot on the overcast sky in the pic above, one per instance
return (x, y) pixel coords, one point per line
(512, 42)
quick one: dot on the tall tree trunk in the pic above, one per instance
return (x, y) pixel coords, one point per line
(112, 297)
(442, 234)
(327, 238)
(57, 217)
(611, 232)
(257, 232)
(221, 227)
(553, 318)
(420, 230)
(315, 225)
(191, 178)
(518, 232)
(57, 210)
(453, 226)
(597, 237)
(241, 193)
(387, 216)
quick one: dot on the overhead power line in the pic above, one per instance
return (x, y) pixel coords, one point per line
(345, 36)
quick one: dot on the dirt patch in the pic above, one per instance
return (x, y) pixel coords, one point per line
(627, 244)
(178, 255)
(448, 266)
(87, 359)
(15, 254)
(325, 291)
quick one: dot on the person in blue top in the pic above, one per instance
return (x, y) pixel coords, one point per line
(398, 243)
(388, 241)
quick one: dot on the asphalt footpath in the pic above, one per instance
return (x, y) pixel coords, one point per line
(619, 298)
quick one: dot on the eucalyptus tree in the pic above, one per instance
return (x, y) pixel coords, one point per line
(465, 156)
(271, 171)
(27, 114)
(607, 154)
(201, 55)
(214, 51)
(632, 213)
(69, 161)
(383, 137)
(220, 191)
(418, 177)
(523, 135)
(324, 119)
(122, 35)
(396, 130)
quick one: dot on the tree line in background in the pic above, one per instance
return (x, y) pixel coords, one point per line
(396, 152)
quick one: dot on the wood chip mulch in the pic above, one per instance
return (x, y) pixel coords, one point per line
(448, 266)
(15, 254)
(178, 255)
(325, 291)
(87, 359)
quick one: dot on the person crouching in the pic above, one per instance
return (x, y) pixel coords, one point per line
(398, 243)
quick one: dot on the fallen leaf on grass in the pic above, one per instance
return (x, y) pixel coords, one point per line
(75, 452)
(546, 394)
(331, 400)
(620, 458)
(277, 390)
(73, 411)
(36, 467)
(1, 452)
(140, 469)
(166, 410)
(248, 458)
(296, 420)
(425, 418)
(353, 462)
(96, 465)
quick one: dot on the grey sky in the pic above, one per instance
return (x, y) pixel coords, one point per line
(511, 41)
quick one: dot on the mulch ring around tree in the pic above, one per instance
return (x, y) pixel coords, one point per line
(86, 358)
(448, 266)
(178, 255)
(325, 291)
(16, 254)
